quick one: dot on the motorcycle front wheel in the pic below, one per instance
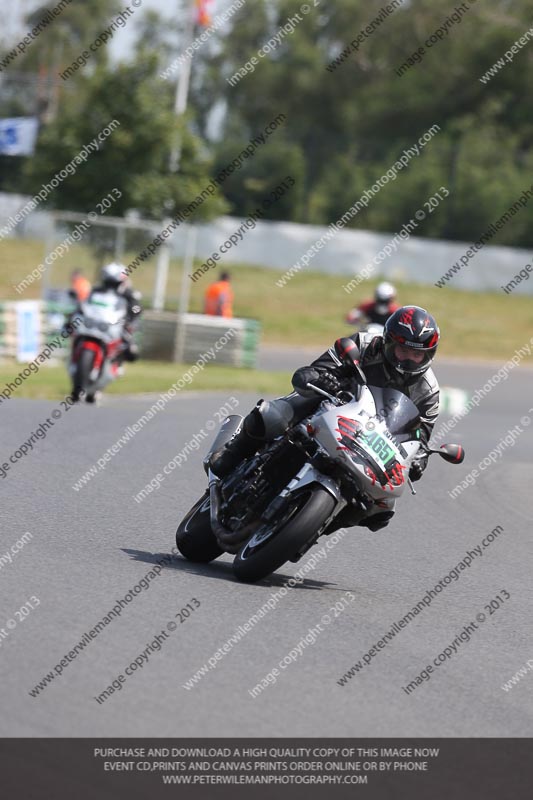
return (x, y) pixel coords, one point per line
(194, 538)
(267, 550)
(84, 368)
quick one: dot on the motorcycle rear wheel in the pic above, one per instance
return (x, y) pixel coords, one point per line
(264, 553)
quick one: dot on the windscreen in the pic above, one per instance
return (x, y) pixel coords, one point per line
(396, 409)
(104, 308)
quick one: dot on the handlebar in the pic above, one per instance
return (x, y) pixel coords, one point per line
(323, 392)
(339, 399)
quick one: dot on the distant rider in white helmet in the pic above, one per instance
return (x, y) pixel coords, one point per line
(376, 311)
(113, 278)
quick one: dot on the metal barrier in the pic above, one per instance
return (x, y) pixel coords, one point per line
(161, 334)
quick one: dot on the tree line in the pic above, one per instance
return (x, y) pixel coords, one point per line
(359, 82)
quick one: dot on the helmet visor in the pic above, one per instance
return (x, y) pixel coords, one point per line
(410, 359)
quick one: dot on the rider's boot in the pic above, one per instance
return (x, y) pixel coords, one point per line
(131, 351)
(241, 446)
(266, 421)
(376, 522)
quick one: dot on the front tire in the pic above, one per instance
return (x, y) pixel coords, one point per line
(84, 368)
(260, 556)
(194, 538)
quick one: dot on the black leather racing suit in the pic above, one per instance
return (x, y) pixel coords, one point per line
(423, 391)
(270, 419)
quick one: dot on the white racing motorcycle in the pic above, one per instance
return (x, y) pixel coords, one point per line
(352, 454)
(97, 344)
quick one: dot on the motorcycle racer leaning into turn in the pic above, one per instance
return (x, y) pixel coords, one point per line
(400, 359)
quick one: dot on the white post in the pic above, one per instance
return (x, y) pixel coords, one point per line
(120, 242)
(161, 275)
(48, 247)
(182, 88)
(185, 292)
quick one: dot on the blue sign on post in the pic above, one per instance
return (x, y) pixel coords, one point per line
(28, 330)
(18, 136)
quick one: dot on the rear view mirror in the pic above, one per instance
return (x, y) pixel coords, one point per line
(454, 453)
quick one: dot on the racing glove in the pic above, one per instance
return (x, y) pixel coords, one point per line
(329, 382)
(417, 468)
(323, 378)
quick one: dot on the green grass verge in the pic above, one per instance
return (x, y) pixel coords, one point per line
(52, 383)
(310, 309)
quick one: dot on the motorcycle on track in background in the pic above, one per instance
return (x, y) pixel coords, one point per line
(374, 328)
(97, 344)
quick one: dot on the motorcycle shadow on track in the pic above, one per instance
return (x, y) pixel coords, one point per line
(221, 570)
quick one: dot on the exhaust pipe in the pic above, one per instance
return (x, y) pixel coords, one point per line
(230, 541)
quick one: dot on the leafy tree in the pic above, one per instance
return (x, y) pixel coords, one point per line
(31, 84)
(346, 123)
(61, 42)
(134, 159)
(350, 123)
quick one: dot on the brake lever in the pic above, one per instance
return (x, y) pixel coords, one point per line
(322, 392)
